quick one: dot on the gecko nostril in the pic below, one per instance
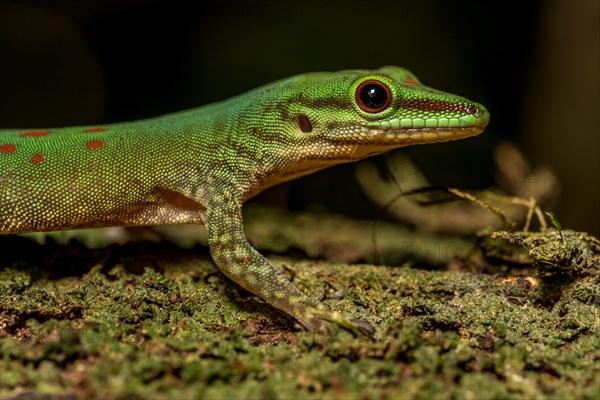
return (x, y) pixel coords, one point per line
(304, 123)
(472, 110)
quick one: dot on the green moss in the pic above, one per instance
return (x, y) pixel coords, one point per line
(147, 320)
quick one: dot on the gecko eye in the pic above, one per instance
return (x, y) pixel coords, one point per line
(373, 96)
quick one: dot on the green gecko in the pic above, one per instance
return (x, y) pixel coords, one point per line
(198, 166)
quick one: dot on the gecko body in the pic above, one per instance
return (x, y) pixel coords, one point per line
(198, 166)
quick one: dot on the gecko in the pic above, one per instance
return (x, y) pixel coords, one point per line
(198, 166)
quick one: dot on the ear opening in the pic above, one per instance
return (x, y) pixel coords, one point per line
(304, 123)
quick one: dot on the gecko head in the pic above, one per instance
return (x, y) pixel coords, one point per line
(349, 115)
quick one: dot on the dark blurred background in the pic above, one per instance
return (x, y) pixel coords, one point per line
(534, 64)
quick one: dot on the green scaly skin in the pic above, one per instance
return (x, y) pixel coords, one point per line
(199, 166)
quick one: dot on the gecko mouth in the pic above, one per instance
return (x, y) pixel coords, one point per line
(375, 141)
(415, 131)
(421, 135)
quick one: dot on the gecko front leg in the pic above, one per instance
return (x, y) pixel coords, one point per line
(237, 259)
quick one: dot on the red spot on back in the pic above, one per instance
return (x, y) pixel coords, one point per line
(34, 134)
(38, 158)
(95, 130)
(411, 81)
(8, 148)
(94, 144)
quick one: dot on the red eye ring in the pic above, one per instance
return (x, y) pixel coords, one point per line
(373, 96)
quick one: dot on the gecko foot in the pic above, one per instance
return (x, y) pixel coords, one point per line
(318, 319)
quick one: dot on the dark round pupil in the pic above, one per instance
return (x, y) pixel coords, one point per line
(373, 96)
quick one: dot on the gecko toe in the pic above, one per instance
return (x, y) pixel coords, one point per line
(320, 318)
(363, 327)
